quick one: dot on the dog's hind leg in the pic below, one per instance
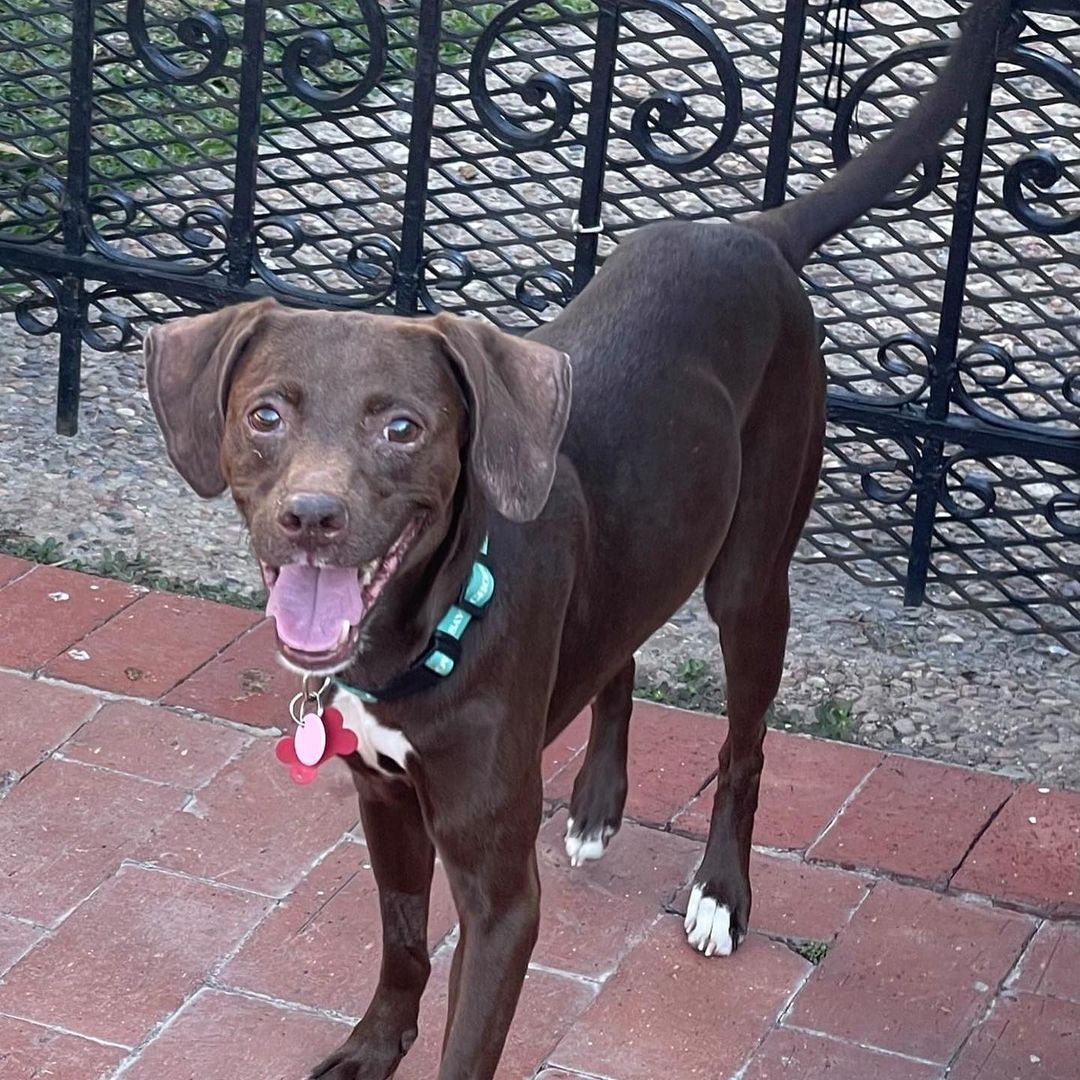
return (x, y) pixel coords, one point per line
(599, 796)
(746, 592)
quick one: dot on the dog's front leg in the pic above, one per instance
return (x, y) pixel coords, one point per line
(403, 859)
(491, 866)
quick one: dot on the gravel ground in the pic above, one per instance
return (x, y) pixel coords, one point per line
(945, 685)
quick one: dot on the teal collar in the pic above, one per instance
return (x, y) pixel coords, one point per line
(443, 653)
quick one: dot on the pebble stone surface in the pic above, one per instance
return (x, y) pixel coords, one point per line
(941, 684)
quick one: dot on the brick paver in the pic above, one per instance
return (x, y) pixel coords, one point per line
(915, 819)
(913, 972)
(322, 947)
(15, 939)
(795, 900)
(165, 887)
(670, 1012)
(65, 828)
(35, 718)
(155, 744)
(788, 1054)
(671, 757)
(252, 827)
(803, 786)
(245, 683)
(1051, 964)
(130, 956)
(219, 1036)
(30, 1052)
(147, 649)
(1030, 855)
(1031, 1037)
(592, 915)
(50, 609)
(11, 568)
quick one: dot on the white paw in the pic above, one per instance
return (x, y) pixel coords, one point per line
(708, 924)
(582, 849)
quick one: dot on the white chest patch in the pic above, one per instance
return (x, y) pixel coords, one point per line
(373, 739)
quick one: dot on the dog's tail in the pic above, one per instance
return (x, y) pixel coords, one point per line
(799, 226)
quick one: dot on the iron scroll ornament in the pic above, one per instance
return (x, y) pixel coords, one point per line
(202, 32)
(1040, 169)
(660, 113)
(315, 48)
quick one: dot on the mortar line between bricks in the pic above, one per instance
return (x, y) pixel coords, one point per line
(569, 1072)
(1014, 971)
(279, 1003)
(273, 908)
(876, 875)
(852, 795)
(64, 1031)
(67, 684)
(208, 980)
(46, 936)
(63, 918)
(587, 980)
(25, 921)
(994, 997)
(1003, 903)
(30, 569)
(253, 730)
(210, 659)
(979, 835)
(167, 871)
(193, 792)
(59, 755)
(6, 790)
(140, 592)
(864, 1046)
(154, 1031)
(740, 1072)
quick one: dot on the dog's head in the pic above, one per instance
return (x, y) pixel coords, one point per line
(345, 440)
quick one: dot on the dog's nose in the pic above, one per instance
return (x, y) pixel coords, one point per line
(313, 516)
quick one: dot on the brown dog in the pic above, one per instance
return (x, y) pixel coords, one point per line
(371, 456)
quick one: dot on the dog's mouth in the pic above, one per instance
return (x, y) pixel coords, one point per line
(318, 610)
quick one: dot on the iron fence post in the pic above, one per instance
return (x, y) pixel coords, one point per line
(929, 476)
(591, 203)
(414, 213)
(71, 311)
(241, 241)
(787, 93)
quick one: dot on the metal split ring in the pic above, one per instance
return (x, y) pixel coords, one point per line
(306, 695)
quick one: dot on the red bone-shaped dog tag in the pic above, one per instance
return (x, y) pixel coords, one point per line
(298, 750)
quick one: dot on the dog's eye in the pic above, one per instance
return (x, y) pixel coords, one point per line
(264, 418)
(401, 430)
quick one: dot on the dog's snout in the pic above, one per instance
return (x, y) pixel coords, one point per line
(314, 516)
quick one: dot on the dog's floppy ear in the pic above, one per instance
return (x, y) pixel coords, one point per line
(520, 393)
(189, 365)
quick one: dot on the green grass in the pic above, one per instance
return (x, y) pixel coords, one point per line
(143, 128)
(814, 951)
(692, 685)
(832, 718)
(135, 569)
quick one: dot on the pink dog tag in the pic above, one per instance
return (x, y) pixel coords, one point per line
(309, 741)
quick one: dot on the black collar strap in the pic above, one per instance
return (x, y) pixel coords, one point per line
(443, 653)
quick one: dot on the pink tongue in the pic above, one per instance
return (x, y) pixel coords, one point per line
(310, 604)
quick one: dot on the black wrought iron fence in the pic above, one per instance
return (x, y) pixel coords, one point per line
(412, 155)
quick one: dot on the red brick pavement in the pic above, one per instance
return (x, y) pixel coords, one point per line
(171, 907)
